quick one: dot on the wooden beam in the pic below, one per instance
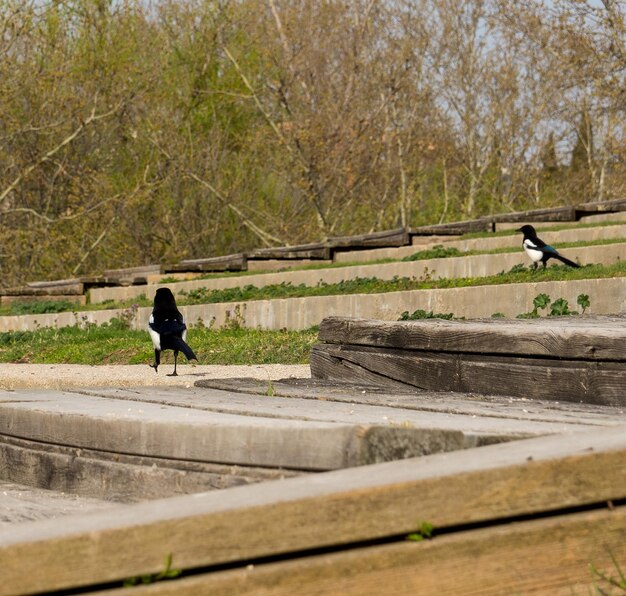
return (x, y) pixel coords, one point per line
(329, 510)
(387, 238)
(592, 207)
(319, 250)
(602, 383)
(61, 288)
(458, 228)
(567, 213)
(234, 262)
(553, 555)
(130, 275)
(588, 338)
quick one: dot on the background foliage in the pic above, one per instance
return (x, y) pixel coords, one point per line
(135, 132)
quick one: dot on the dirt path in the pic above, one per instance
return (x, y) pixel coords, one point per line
(61, 376)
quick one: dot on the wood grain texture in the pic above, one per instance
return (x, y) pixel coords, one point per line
(319, 250)
(130, 275)
(550, 556)
(602, 383)
(454, 229)
(395, 237)
(567, 213)
(448, 490)
(234, 262)
(49, 289)
(594, 338)
(614, 205)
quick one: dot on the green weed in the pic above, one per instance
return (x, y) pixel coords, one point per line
(38, 307)
(558, 308)
(436, 252)
(618, 581)
(422, 314)
(150, 578)
(424, 532)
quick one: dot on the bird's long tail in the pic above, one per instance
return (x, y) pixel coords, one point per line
(181, 346)
(566, 261)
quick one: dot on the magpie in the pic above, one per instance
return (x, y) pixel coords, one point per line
(167, 329)
(538, 250)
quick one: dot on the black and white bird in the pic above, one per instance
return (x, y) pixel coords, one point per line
(538, 250)
(167, 329)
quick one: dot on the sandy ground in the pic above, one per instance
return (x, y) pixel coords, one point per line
(61, 376)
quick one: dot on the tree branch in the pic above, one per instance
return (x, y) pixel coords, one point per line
(46, 156)
(264, 236)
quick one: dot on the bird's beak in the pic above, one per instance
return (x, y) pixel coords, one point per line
(518, 230)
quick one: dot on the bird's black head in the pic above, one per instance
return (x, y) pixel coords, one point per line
(164, 297)
(527, 230)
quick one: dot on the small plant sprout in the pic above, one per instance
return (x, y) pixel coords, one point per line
(560, 308)
(618, 581)
(541, 301)
(424, 532)
(150, 578)
(583, 301)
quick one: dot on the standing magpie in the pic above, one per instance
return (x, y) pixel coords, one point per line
(538, 250)
(167, 329)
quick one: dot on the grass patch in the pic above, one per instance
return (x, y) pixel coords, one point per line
(373, 285)
(113, 343)
(436, 252)
(37, 307)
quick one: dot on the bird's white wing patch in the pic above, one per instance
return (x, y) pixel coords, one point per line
(529, 244)
(154, 335)
(156, 338)
(535, 254)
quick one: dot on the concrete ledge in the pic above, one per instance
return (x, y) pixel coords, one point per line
(576, 234)
(453, 267)
(607, 296)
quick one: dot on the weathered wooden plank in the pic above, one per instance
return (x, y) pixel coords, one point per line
(130, 275)
(320, 250)
(588, 338)
(234, 262)
(567, 213)
(549, 556)
(600, 207)
(448, 490)
(61, 288)
(457, 228)
(395, 237)
(601, 383)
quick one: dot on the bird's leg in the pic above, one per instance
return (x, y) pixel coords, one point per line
(544, 264)
(157, 361)
(534, 266)
(174, 374)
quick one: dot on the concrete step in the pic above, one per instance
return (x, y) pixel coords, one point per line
(450, 267)
(607, 296)
(150, 442)
(248, 530)
(556, 237)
